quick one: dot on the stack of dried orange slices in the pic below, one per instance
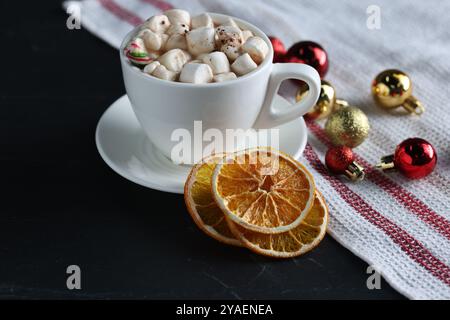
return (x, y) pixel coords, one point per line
(261, 199)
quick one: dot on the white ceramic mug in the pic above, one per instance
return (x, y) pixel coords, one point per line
(162, 106)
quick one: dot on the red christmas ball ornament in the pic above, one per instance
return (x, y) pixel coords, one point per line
(310, 53)
(341, 160)
(279, 50)
(415, 158)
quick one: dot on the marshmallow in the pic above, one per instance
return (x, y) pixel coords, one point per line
(175, 59)
(177, 41)
(229, 35)
(177, 16)
(246, 34)
(164, 39)
(202, 20)
(201, 56)
(153, 54)
(230, 22)
(151, 67)
(201, 40)
(243, 65)
(153, 41)
(218, 62)
(231, 51)
(161, 72)
(224, 77)
(158, 24)
(257, 48)
(178, 28)
(196, 73)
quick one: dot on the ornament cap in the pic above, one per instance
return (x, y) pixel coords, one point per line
(386, 163)
(355, 172)
(340, 103)
(412, 105)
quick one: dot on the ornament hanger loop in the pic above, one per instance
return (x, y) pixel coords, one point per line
(414, 106)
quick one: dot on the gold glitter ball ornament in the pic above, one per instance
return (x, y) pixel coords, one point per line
(347, 127)
(393, 88)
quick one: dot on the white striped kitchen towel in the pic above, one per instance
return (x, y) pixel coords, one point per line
(401, 227)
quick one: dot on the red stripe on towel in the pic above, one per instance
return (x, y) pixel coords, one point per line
(120, 12)
(162, 5)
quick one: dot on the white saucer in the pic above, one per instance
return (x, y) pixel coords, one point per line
(125, 148)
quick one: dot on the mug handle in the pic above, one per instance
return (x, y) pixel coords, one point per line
(268, 116)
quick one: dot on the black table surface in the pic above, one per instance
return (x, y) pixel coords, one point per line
(62, 205)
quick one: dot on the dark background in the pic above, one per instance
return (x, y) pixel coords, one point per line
(62, 205)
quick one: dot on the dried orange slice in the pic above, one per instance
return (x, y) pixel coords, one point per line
(201, 205)
(263, 190)
(292, 243)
